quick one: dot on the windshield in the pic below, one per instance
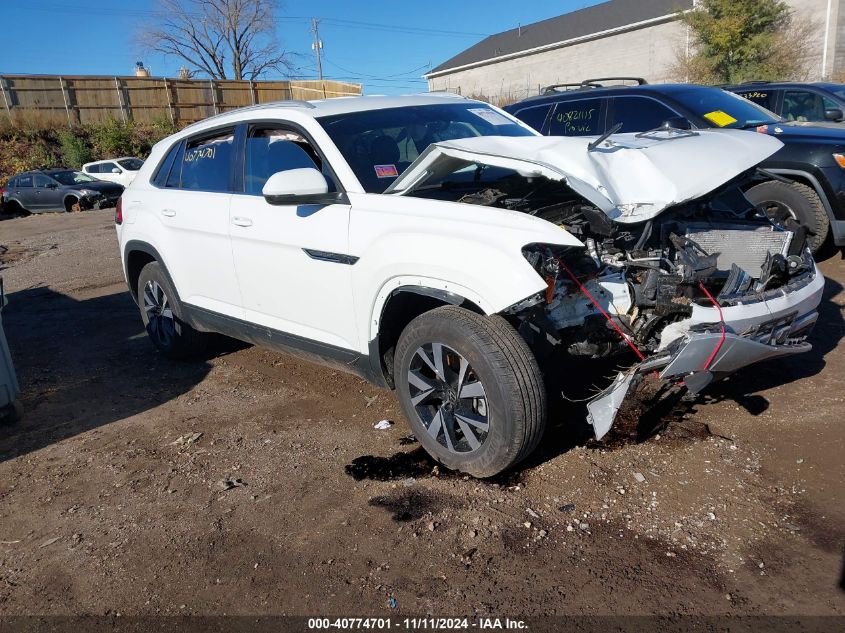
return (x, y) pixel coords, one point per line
(724, 109)
(837, 89)
(132, 164)
(71, 177)
(380, 144)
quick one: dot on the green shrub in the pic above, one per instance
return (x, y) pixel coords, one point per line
(74, 149)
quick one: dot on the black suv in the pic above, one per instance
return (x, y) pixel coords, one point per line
(806, 177)
(804, 102)
(58, 190)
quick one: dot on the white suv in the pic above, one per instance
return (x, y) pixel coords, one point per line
(119, 170)
(440, 247)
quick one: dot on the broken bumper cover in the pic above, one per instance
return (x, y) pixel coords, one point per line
(754, 331)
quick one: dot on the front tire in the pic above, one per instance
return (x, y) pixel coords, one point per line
(471, 390)
(162, 315)
(780, 200)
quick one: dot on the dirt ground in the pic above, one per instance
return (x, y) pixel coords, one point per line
(281, 498)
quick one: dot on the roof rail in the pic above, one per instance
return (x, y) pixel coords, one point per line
(445, 92)
(640, 81)
(758, 81)
(590, 83)
(286, 103)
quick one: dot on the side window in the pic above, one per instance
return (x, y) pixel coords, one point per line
(535, 117)
(42, 181)
(24, 182)
(803, 105)
(271, 149)
(91, 169)
(106, 168)
(207, 162)
(765, 98)
(639, 114)
(577, 118)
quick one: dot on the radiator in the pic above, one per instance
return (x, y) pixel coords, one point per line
(745, 246)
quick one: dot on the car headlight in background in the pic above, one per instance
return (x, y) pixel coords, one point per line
(89, 193)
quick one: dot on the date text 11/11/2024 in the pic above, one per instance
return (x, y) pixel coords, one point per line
(416, 624)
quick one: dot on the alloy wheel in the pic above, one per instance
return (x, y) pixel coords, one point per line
(448, 397)
(160, 321)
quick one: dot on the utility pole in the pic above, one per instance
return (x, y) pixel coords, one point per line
(317, 46)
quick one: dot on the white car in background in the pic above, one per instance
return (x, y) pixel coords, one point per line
(119, 170)
(438, 246)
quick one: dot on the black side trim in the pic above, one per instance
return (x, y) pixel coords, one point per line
(337, 357)
(326, 256)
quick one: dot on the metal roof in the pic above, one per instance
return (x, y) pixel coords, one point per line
(607, 16)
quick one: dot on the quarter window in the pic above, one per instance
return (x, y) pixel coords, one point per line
(576, 118)
(163, 171)
(272, 149)
(639, 114)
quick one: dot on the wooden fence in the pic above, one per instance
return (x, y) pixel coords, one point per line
(92, 99)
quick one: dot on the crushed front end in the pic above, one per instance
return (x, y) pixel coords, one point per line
(697, 293)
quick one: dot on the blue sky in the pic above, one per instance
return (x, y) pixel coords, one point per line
(386, 45)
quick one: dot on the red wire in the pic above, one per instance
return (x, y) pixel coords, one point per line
(722, 322)
(600, 309)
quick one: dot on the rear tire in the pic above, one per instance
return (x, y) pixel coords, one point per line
(797, 200)
(163, 315)
(471, 390)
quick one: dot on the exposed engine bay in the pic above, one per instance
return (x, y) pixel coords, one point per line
(673, 263)
(633, 281)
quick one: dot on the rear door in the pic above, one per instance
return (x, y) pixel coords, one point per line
(190, 199)
(577, 117)
(25, 192)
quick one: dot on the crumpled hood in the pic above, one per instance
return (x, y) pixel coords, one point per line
(630, 178)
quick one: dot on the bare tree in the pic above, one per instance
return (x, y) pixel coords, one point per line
(220, 38)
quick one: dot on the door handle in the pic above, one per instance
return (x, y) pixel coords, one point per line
(240, 221)
(168, 213)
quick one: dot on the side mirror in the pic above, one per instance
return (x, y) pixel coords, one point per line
(305, 185)
(833, 114)
(115, 170)
(676, 123)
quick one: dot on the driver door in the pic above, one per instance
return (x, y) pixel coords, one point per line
(48, 195)
(290, 260)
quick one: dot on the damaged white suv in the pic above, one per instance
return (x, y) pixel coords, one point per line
(438, 246)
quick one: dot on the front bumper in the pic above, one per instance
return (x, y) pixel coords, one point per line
(695, 352)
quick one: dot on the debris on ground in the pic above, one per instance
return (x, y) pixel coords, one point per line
(228, 484)
(186, 440)
(383, 425)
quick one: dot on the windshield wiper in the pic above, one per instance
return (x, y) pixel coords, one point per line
(604, 137)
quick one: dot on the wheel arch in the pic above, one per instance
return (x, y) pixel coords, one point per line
(138, 254)
(806, 178)
(398, 305)
(69, 199)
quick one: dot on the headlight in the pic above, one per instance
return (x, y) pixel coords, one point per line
(89, 193)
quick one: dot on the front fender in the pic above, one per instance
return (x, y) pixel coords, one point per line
(470, 251)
